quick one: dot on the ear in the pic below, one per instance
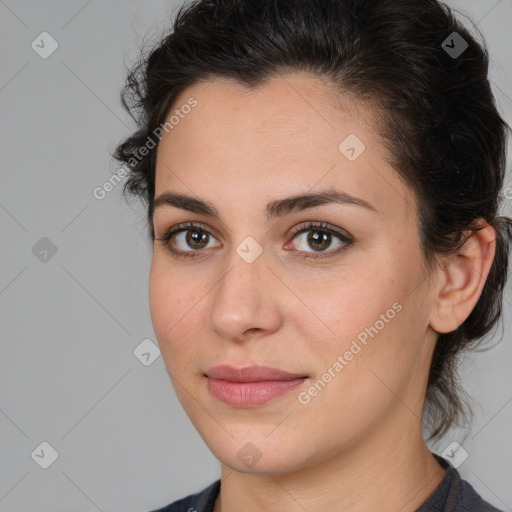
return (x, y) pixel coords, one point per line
(462, 280)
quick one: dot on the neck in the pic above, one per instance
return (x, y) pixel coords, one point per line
(396, 474)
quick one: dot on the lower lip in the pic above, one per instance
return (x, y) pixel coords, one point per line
(250, 394)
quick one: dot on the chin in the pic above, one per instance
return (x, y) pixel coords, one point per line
(252, 453)
(277, 465)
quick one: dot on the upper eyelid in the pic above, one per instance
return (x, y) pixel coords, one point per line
(185, 226)
(296, 230)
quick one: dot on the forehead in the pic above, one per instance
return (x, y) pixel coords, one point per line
(290, 130)
(298, 103)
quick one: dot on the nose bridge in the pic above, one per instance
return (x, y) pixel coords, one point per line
(243, 292)
(245, 272)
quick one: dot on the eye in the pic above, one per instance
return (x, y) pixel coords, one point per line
(320, 237)
(196, 237)
(192, 235)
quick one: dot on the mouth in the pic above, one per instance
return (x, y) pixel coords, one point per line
(250, 386)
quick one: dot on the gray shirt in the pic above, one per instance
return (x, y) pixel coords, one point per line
(453, 494)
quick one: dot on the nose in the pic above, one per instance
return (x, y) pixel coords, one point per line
(246, 300)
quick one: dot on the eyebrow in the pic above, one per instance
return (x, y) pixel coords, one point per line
(274, 209)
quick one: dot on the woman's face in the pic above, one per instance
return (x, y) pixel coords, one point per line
(342, 305)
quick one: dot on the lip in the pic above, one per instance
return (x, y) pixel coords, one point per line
(251, 386)
(250, 373)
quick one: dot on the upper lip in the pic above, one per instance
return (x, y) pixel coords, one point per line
(250, 373)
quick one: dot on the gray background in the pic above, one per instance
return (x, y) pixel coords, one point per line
(70, 324)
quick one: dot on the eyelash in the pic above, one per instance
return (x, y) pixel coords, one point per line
(318, 226)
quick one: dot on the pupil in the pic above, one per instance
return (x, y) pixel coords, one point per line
(319, 237)
(196, 237)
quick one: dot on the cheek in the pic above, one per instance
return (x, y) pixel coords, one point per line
(370, 322)
(172, 304)
(380, 347)
(351, 307)
(161, 302)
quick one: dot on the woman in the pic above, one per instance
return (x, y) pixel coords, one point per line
(322, 180)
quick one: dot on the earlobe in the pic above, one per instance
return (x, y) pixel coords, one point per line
(463, 276)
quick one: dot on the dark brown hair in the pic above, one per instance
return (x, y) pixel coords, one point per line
(437, 118)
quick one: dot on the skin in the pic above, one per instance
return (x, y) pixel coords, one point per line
(357, 444)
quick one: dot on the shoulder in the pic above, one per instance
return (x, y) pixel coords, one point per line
(470, 501)
(454, 494)
(202, 501)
